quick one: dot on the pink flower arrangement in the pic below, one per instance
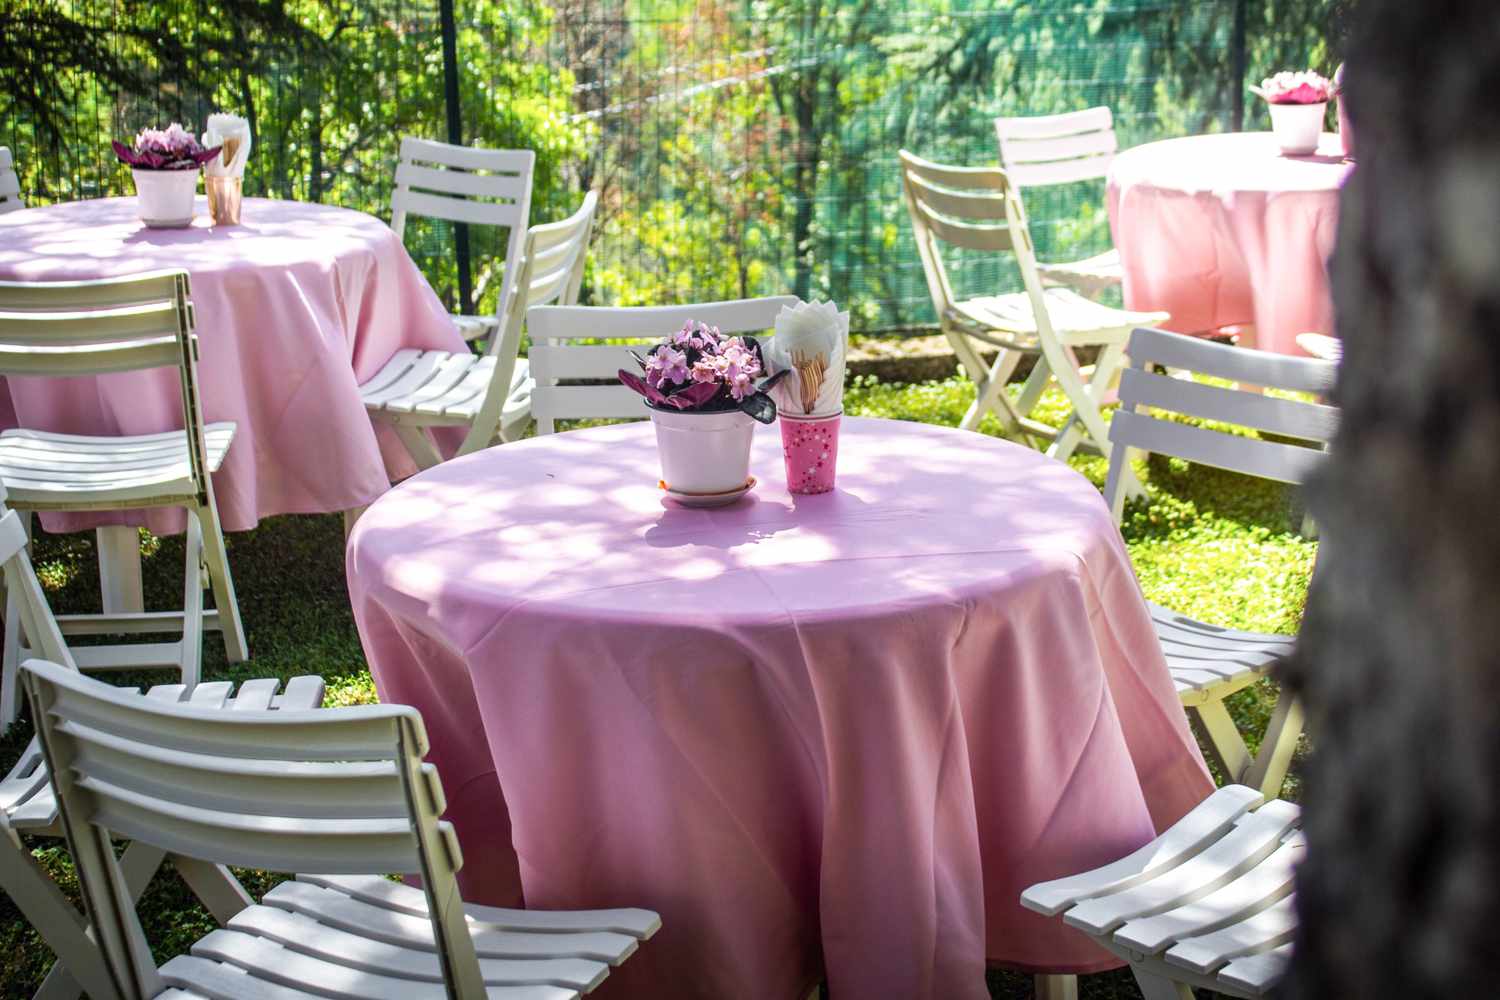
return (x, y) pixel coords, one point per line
(1287, 87)
(698, 368)
(171, 148)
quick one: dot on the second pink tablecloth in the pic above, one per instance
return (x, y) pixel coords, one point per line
(294, 309)
(1224, 230)
(837, 732)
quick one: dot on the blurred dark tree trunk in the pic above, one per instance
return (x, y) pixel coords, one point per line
(1400, 653)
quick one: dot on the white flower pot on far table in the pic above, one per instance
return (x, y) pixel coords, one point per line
(1297, 127)
(703, 452)
(164, 198)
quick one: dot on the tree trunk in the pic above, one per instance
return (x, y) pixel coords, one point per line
(1399, 660)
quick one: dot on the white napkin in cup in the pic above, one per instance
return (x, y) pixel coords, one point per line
(222, 128)
(809, 330)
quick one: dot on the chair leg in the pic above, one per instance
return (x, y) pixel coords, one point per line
(215, 886)
(1056, 987)
(217, 560)
(138, 864)
(1034, 386)
(10, 695)
(10, 653)
(119, 548)
(79, 963)
(1224, 739)
(1268, 771)
(351, 517)
(1155, 987)
(990, 394)
(419, 445)
(192, 605)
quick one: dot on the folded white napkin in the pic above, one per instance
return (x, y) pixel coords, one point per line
(233, 133)
(811, 339)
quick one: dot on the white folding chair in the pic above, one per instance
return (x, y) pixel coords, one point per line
(27, 805)
(103, 328)
(978, 209)
(1209, 903)
(1044, 150)
(562, 367)
(487, 187)
(1208, 662)
(10, 184)
(341, 791)
(489, 393)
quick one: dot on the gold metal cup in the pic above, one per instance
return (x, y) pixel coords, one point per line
(224, 195)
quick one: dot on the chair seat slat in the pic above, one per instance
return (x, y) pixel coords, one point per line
(1184, 839)
(1266, 883)
(1263, 931)
(268, 960)
(305, 935)
(336, 909)
(1252, 840)
(406, 899)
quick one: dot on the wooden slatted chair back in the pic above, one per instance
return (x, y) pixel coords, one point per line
(1149, 401)
(1041, 150)
(10, 184)
(488, 187)
(971, 209)
(106, 326)
(337, 791)
(562, 365)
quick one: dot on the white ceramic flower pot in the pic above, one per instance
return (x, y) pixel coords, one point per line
(1297, 127)
(703, 452)
(164, 198)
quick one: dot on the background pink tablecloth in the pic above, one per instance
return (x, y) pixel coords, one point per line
(294, 309)
(1223, 229)
(844, 729)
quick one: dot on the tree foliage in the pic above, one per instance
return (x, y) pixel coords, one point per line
(740, 148)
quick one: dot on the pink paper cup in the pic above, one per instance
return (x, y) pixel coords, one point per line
(811, 448)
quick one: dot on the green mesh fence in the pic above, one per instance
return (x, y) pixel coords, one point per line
(739, 148)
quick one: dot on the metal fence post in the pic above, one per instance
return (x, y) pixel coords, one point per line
(456, 137)
(1238, 56)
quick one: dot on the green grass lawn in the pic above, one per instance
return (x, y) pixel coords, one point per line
(1214, 545)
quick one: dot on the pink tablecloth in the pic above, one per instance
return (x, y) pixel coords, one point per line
(294, 309)
(844, 729)
(1223, 229)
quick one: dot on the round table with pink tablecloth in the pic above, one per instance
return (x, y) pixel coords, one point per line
(1223, 230)
(294, 308)
(836, 733)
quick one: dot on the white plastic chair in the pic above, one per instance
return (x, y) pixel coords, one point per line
(1044, 150)
(27, 805)
(102, 328)
(1209, 903)
(487, 187)
(560, 364)
(339, 791)
(10, 184)
(978, 209)
(489, 393)
(1209, 663)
